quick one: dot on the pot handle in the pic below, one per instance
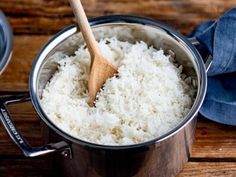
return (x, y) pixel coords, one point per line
(207, 58)
(16, 136)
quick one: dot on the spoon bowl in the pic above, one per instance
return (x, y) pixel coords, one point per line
(100, 71)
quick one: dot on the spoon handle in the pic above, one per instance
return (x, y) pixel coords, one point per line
(85, 27)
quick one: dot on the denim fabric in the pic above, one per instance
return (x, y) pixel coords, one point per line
(220, 39)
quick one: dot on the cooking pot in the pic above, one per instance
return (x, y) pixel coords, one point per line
(162, 156)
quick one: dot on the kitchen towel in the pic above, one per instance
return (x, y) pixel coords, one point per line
(219, 37)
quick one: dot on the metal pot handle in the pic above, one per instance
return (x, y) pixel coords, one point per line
(15, 135)
(208, 58)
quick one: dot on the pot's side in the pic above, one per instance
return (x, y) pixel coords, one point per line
(163, 159)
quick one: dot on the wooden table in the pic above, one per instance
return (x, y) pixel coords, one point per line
(214, 151)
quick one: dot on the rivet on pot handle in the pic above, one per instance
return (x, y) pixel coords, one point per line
(17, 137)
(207, 59)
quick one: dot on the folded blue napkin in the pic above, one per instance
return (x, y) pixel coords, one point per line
(219, 37)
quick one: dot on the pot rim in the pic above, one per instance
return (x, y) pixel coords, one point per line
(121, 19)
(6, 41)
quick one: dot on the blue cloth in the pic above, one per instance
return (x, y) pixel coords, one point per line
(220, 39)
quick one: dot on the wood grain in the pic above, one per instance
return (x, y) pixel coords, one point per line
(214, 141)
(25, 168)
(209, 169)
(49, 16)
(42, 168)
(15, 77)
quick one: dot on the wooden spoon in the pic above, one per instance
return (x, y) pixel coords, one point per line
(100, 68)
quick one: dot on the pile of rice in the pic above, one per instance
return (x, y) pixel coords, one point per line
(146, 99)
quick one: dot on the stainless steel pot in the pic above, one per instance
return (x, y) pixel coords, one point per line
(162, 156)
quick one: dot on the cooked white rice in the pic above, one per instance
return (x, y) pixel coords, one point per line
(147, 98)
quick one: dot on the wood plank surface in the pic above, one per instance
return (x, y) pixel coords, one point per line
(35, 21)
(209, 169)
(15, 77)
(214, 140)
(49, 16)
(41, 168)
(25, 168)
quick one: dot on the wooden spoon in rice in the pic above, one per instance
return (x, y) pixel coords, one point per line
(100, 68)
